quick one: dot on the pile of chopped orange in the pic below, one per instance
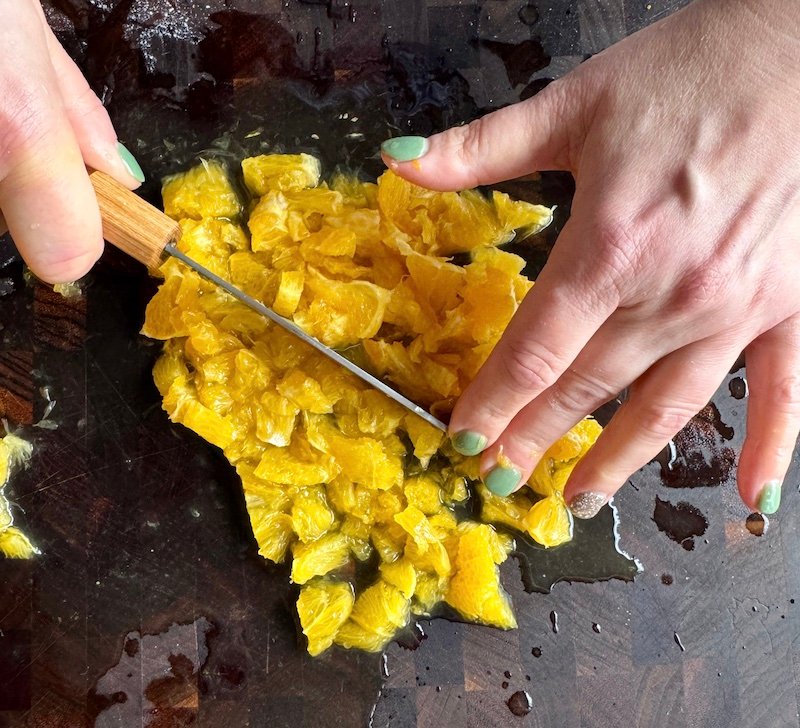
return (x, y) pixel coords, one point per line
(333, 471)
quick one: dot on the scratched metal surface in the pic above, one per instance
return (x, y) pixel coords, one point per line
(149, 605)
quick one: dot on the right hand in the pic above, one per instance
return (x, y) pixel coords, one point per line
(52, 126)
(682, 250)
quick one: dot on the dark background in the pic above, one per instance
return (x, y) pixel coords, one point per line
(149, 604)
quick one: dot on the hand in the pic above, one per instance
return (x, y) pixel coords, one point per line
(51, 126)
(683, 249)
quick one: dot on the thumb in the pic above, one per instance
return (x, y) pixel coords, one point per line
(530, 136)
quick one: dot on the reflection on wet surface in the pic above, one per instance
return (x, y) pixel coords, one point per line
(155, 683)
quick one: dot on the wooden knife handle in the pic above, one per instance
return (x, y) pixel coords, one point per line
(129, 223)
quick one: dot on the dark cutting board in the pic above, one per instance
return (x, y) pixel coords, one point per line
(149, 605)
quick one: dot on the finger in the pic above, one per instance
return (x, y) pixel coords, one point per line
(609, 363)
(90, 121)
(557, 318)
(773, 415)
(45, 193)
(661, 402)
(514, 141)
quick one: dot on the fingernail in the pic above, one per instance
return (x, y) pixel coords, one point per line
(405, 148)
(587, 505)
(502, 480)
(134, 170)
(770, 497)
(468, 442)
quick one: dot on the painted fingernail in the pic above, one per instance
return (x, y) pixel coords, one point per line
(502, 480)
(405, 148)
(770, 497)
(468, 442)
(134, 170)
(587, 505)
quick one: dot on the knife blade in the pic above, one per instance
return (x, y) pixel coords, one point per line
(289, 325)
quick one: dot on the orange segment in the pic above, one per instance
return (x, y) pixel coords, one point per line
(323, 606)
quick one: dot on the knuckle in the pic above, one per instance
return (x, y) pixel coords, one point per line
(617, 253)
(493, 411)
(701, 289)
(526, 370)
(86, 104)
(522, 448)
(578, 392)
(564, 102)
(474, 147)
(24, 119)
(786, 395)
(660, 422)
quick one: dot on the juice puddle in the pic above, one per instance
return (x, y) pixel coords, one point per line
(738, 387)
(590, 556)
(520, 703)
(757, 524)
(681, 523)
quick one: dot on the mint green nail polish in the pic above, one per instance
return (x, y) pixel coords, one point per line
(770, 497)
(134, 170)
(405, 148)
(502, 480)
(468, 442)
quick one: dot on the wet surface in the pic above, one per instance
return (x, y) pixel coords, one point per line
(700, 456)
(757, 524)
(738, 387)
(156, 679)
(520, 703)
(594, 554)
(681, 522)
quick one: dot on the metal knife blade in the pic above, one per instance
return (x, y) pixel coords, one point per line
(290, 326)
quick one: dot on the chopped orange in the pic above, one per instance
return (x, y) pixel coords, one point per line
(415, 524)
(549, 522)
(400, 574)
(323, 607)
(342, 313)
(475, 591)
(272, 529)
(424, 493)
(280, 172)
(204, 191)
(577, 441)
(311, 514)
(319, 557)
(269, 223)
(333, 471)
(379, 611)
(519, 215)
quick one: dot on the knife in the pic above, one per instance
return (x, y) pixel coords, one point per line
(148, 235)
